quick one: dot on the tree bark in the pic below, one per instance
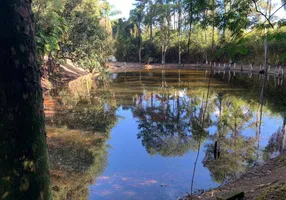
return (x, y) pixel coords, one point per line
(163, 33)
(213, 29)
(139, 42)
(24, 171)
(179, 31)
(190, 24)
(151, 20)
(163, 54)
(205, 32)
(151, 31)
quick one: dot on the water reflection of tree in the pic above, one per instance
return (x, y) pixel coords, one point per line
(277, 143)
(164, 124)
(200, 119)
(271, 101)
(95, 112)
(77, 136)
(76, 160)
(236, 152)
(170, 121)
(200, 130)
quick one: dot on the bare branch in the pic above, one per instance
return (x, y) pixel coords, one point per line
(283, 5)
(264, 15)
(266, 20)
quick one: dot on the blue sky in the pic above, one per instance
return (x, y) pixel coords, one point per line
(122, 5)
(126, 5)
(281, 13)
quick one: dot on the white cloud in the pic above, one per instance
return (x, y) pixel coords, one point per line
(122, 5)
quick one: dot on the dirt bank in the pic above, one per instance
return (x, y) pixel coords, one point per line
(65, 73)
(261, 182)
(122, 66)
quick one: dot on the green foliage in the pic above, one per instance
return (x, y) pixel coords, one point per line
(273, 191)
(75, 30)
(232, 51)
(49, 25)
(207, 30)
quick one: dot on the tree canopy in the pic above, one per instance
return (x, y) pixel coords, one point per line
(175, 31)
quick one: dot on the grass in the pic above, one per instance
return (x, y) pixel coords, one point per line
(277, 191)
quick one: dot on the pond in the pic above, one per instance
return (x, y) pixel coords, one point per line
(161, 135)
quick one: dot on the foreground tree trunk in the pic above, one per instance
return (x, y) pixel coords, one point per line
(24, 171)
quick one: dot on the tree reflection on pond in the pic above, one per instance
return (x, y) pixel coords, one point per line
(208, 129)
(218, 124)
(76, 160)
(77, 135)
(170, 124)
(94, 112)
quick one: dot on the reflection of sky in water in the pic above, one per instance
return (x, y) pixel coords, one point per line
(132, 173)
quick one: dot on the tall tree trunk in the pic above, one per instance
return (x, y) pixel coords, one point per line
(151, 20)
(265, 65)
(179, 30)
(163, 54)
(151, 30)
(163, 62)
(190, 24)
(205, 32)
(213, 29)
(140, 43)
(224, 21)
(261, 98)
(140, 53)
(163, 37)
(24, 171)
(266, 42)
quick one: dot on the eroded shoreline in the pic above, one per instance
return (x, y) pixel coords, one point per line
(267, 181)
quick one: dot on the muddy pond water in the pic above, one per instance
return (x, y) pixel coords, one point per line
(161, 135)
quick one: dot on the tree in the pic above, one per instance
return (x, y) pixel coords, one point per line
(149, 18)
(171, 32)
(50, 26)
(163, 18)
(77, 30)
(164, 125)
(89, 38)
(180, 29)
(123, 33)
(137, 16)
(24, 171)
